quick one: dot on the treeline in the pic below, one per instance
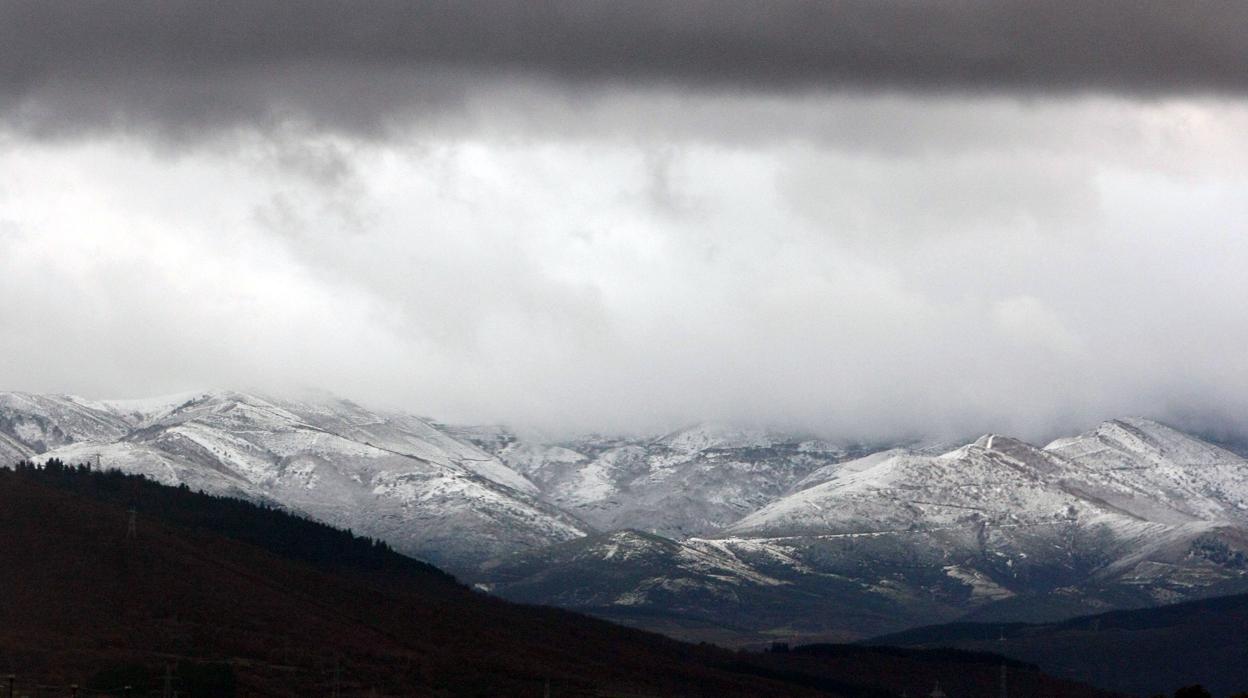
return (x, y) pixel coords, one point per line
(1197, 691)
(258, 524)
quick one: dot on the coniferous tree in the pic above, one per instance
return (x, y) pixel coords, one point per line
(256, 523)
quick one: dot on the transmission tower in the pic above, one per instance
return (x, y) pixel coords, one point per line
(1005, 688)
(337, 674)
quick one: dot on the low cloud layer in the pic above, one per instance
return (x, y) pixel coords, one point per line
(865, 219)
(1077, 261)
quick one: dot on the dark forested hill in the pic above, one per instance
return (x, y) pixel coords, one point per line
(1141, 652)
(230, 598)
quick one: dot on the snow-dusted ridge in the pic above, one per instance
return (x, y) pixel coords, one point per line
(693, 481)
(387, 475)
(1129, 513)
(1133, 468)
(711, 519)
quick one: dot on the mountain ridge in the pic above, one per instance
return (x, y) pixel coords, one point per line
(392, 476)
(1129, 512)
(994, 524)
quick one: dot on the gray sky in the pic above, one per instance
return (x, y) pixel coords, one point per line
(863, 218)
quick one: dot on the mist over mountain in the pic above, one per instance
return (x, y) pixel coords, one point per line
(820, 219)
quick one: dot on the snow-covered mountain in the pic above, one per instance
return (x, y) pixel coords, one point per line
(390, 476)
(1130, 514)
(32, 424)
(1157, 466)
(694, 481)
(713, 528)
(653, 570)
(1159, 513)
(702, 589)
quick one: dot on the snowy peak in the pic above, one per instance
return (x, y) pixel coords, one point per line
(1013, 453)
(320, 419)
(857, 465)
(986, 441)
(1127, 470)
(1158, 472)
(141, 412)
(1131, 441)
(712, 436)
(34, 424)
(732, 508)
(1130, 510)
(689, 482)
(1001, 445)
(388, 475)
(704, 437)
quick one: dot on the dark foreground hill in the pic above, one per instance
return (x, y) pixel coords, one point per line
(1139, 652)
(227, 598)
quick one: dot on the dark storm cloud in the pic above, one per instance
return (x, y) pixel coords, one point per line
(183, 66)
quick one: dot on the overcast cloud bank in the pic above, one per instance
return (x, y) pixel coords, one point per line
(184, 68)
(865, 219)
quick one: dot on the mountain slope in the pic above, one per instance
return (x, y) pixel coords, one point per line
(1010, 520)
(32, 424)
(1140, 651)
(1161, 473)
(631, 575)
(746, 533)
(738, 592)
(995, 529)
(394, 477)
(690, 482)
(82, 596)
(298, 604)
